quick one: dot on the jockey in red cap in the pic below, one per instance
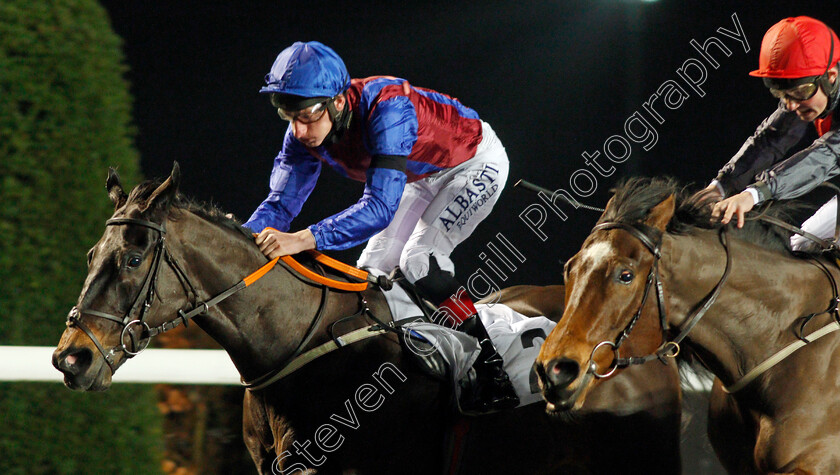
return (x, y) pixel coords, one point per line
(799, 65)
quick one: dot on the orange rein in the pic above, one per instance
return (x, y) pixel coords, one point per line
(260, 272)
(327, 261)
(323, 259)
(330, 262)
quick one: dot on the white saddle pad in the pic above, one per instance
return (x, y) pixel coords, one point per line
(517, 338)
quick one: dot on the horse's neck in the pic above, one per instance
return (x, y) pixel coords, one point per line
(758, 304)
(261, 325)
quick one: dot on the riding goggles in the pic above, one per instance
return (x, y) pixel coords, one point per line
(793, 90)
(798, 94)
(306, 115)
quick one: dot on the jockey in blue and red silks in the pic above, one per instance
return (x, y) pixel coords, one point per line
(432, 171)
(799, 64)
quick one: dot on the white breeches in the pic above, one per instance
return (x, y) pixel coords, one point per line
(440, 211)
(821, 224)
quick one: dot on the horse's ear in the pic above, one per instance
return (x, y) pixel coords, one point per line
(661, 214)
(607, 208)
(115, 189)
(162, 197)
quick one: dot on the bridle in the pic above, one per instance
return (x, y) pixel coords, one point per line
(651, 238)
(146, 295)
(142, 302)
(145, 298)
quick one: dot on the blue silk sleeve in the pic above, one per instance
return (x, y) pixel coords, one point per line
(293, 177)
(371, 214)
(392, 127)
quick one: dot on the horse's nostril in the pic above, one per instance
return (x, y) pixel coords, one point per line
(76, 361)
(562, 371)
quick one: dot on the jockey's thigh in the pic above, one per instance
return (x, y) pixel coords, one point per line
(383, 250)
(820, 224)
(463, 197)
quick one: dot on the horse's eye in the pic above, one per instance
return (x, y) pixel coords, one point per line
(134, 261)
(626, 276)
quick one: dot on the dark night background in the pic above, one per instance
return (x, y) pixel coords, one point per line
(554, 79)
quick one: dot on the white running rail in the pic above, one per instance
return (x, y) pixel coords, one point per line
(34, 363)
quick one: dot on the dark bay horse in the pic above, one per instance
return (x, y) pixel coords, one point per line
(365, 408)
(734, 297)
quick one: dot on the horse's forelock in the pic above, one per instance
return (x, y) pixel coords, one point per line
(634, 198)
(142, 192)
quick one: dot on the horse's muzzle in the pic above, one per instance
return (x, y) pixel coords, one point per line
(555, 377)
(82, 371)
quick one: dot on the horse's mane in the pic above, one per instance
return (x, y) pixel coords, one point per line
(207, 211)
(633, 199)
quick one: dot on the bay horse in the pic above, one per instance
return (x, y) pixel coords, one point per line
(733, 298)
(366, 408)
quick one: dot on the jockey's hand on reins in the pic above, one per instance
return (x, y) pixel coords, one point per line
(734, 206)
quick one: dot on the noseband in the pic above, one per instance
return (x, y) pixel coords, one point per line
(651, 238)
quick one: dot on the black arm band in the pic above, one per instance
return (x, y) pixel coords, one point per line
(394, 162)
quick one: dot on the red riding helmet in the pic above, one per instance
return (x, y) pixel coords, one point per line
(797, 47)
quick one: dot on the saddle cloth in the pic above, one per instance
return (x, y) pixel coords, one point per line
(517, 338)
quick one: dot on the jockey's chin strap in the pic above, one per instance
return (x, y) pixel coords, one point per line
(651, 238)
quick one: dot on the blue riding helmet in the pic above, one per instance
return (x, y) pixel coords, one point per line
(307, 70)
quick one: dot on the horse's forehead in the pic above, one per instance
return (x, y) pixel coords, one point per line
(120, 237)
(109, 243)
(589, 269)
(131, 209)
(597, 253)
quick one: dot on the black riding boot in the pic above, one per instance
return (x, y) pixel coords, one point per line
(493, 390)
